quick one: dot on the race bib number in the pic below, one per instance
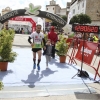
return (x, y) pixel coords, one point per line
(37, 46)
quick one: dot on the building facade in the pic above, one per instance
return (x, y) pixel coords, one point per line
(93, 10)
(89, 7)
(68, 7)
(6, 10)
(55, 8)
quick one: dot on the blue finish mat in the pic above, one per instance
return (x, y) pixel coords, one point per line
(21, 71)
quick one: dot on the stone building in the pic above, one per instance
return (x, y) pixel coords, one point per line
(93, 10)
(89, 7)
(55, 8)
(4, 11)
(68, 7)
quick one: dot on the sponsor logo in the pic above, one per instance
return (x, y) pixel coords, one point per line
(36, 37)
(57, 19)
(8, 15)
(86, 51)
(19, 18)
(33, 10)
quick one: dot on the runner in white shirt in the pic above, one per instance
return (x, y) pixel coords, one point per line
(37, 37)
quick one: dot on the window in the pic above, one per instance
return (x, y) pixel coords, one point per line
(53, 2)
(83, 5)
(78, 7)
(47, 8)
(50, 2)
(73, 11)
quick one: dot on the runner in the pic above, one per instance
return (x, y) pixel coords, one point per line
(37, 37)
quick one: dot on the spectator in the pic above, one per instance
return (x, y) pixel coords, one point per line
(52, 35)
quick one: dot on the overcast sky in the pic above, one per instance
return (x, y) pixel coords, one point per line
(21, 4)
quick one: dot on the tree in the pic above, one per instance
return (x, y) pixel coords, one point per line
(53, 24)
(81, 19)
(64, 18)
(74, 19)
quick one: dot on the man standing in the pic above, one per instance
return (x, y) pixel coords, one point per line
(37, 37)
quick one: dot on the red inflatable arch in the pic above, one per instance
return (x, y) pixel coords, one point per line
(20, 18)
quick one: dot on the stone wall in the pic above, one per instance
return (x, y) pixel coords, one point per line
(91, 9)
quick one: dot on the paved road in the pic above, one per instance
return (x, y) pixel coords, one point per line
(65, 92)
(20, 40)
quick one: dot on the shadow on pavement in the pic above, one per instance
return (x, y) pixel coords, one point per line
(32, 79)
(4, 73)
(47, 72)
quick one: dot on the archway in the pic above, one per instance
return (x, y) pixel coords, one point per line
(32, 10)
(25, 19)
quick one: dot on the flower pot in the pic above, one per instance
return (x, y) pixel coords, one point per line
(3, 66)
(62, 59)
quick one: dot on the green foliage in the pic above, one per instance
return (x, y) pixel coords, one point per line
(53, 24)
(84, 19)
(74, 19)
(62, 46)
(64, 18)
(6, 40)
(1, 85)
(71, 35)
(45, 37)
(81, 19)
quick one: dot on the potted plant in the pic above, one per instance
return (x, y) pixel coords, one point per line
(6, 53)
(1, 85)
(62, 48)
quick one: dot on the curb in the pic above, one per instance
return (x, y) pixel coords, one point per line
(21, 45)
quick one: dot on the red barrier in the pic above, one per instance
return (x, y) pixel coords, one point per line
(89, 52)
(98, 53)
(69, 40)
(71, 57)
(97, 71)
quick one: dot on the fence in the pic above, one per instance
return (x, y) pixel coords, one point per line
(90, 49)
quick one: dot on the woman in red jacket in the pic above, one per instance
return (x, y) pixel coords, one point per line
(52, 35)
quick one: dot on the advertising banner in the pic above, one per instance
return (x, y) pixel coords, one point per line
(89, 51)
